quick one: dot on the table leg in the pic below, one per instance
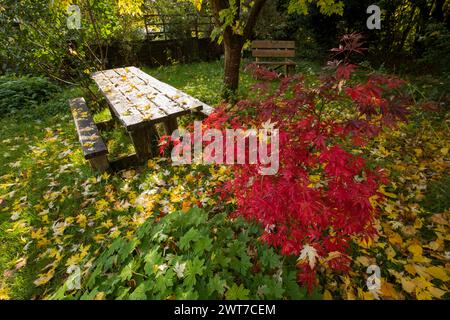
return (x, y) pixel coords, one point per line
(170, 125)
(145, 141)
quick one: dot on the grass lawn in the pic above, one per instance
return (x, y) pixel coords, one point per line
(54, 212)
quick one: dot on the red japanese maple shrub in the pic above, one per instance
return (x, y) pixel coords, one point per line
(320, 198)
(260, 73)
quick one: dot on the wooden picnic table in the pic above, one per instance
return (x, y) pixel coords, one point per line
(139, 101)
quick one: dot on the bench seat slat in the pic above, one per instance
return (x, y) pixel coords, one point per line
(284, 63)
(91, 142)
(266, 53)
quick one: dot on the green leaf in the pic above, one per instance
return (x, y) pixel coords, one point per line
(127, 272)
(190, 236)
(270, 259)
(293, 290)
(139, 293)
(216, 284)
(204, 243)
(163, 283)
(127, 249)
(237, 293)
(194, 267)
(274, 289)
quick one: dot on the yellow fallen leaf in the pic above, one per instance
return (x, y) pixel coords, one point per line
(365, 243)
(423, 294)
(395, 239)
(436, 292)
(4, 294)
(418, 152)
(439, 219)
(100, 296)
(388, 291)
(390, 252)
(44, 278)
(411, 269)
(438, 273)
(408, 285)
(387, 194)
(415, 249)
(367, 295)
(373, 201)
(363, 260)
(327, 295)
(435, 245)
(418, 223)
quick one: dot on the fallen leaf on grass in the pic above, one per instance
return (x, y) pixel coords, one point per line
(8, 273)
(388, 291)
(438, 273)
(22, 262)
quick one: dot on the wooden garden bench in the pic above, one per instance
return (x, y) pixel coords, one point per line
(276, 54)
(94, 149)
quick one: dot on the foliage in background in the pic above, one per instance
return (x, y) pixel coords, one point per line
(20, 93)
(40, 42)
(410, 31)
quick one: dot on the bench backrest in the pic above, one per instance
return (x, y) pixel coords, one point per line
(273, 49)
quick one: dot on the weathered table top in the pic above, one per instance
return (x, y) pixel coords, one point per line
(138, 99)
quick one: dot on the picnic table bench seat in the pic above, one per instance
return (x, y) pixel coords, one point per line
(93, 147)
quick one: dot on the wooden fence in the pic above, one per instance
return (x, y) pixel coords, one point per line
(160, 26)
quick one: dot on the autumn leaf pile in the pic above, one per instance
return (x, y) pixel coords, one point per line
(411, 247)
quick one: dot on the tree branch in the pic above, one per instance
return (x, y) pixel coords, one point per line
(253, 17)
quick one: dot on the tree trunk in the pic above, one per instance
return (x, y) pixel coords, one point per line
(234, 42)
(233, 50)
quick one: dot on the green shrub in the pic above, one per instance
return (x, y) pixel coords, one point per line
(434, 45)
(188, 256)
(18, 93)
